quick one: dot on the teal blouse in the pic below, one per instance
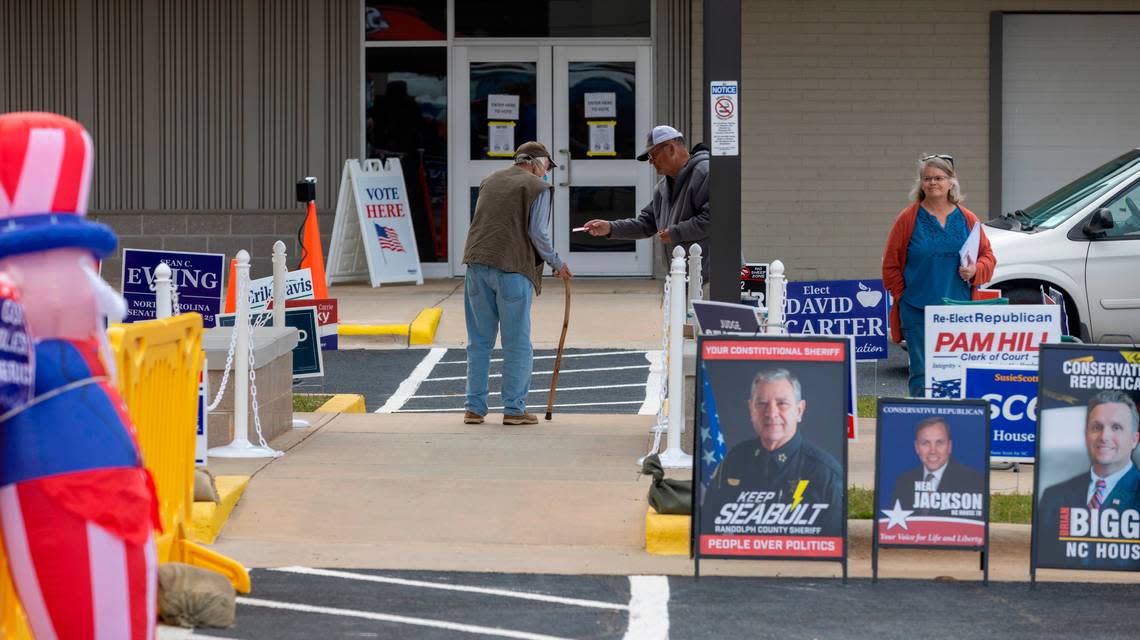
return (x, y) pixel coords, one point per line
(931, 271)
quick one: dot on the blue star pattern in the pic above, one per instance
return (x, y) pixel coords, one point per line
(951, 388)
(712, 441)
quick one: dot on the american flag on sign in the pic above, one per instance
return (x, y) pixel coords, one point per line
(388, 238)
(713, 446)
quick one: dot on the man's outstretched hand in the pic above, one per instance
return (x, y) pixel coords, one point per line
(597, 227)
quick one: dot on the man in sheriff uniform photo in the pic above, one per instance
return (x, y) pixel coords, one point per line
(779, 460)
(1081, 516)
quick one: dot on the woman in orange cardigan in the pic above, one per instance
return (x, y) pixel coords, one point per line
(921, 262)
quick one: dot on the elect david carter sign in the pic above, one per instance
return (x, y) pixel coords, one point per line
(841, 308)
(198, 277)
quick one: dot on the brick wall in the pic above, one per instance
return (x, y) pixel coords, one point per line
(212, 232)
(838, 101)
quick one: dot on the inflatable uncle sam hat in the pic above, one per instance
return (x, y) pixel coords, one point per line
(45, 175)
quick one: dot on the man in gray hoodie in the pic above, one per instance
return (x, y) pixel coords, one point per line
(678, 213)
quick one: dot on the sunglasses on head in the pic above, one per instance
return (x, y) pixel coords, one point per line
(940, 156)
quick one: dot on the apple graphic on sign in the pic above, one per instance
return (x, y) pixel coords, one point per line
(867, 297)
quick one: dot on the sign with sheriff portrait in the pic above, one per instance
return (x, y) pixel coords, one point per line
(1086, 512)
(373, 237)
(197, 276)
(771, 450)
(961, 336)
(931, 475)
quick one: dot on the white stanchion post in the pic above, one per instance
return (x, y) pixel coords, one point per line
(163, 301)
(674, 457)
(241, 447)
(696, 280)
(279, 270)
(776, 286)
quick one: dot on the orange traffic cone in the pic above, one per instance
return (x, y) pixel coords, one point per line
(311, 255)
(231, 295)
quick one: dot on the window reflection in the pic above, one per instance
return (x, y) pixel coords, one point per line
(406, 94)
(607, 203)
(407, 20)
(613, 91)
(517, 79)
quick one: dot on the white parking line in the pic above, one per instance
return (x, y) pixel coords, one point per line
(385, 617)
(497, 393)
(523, 595)
(648, 608)
(592, 354)
(566, 404)
(546, 373)
(653, 383)
(412, 382)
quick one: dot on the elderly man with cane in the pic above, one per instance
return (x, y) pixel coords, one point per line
(507, 244)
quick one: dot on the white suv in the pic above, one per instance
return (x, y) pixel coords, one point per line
(1083, 239)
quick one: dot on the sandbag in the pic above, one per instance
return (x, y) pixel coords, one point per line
(665, 494)
(190, 596)
(204, 489)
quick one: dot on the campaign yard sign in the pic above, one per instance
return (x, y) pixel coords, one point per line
(931, 475)
(307, 359)
(298, 286)
(841, 308)
(1086, 512)
(198, 277)
(327, 319)
(958, 337)
(1012, 394)
(770, 478)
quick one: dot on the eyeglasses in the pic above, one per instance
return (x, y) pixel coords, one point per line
(940, 156)
(938, 179)
(656, 151)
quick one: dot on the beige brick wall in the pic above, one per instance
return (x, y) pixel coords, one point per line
(838, 101)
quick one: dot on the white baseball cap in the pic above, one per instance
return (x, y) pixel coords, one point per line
(660, 133)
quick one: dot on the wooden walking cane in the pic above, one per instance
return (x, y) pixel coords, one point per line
(558, 358)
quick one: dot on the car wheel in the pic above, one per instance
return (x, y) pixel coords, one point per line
(1022, 295)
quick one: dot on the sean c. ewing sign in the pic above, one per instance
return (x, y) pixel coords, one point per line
(197, 276)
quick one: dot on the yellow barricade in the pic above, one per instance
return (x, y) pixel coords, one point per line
(12, 623)
(158, 363)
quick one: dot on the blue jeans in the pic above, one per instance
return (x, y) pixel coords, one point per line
(494, 298)
(914, 330)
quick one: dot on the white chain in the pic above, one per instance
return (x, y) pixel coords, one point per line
(173, 298)
(242, 283)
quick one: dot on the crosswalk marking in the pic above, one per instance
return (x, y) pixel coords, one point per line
(566, 404)
(593, 354)
(496, 393)
(563, 372)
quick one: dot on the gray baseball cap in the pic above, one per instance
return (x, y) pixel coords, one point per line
(660, 133)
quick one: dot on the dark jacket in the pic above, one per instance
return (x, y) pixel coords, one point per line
(498, 236)
(748, 466)
(958, 478)
(1073, 493)
(681, 206)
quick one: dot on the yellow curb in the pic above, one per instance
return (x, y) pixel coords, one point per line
(666, 535)
(424, 326)
(209, 518)
(343, 403)
(372, 329)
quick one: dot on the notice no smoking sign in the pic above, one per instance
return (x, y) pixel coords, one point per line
(724, 100)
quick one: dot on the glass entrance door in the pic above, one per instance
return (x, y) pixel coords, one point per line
(602, 109)
(590, 106)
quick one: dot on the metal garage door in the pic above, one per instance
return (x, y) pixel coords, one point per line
(1070, 98)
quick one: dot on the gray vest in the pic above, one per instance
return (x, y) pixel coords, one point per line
(498, 236)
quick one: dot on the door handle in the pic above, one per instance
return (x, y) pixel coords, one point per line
(566, 152)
